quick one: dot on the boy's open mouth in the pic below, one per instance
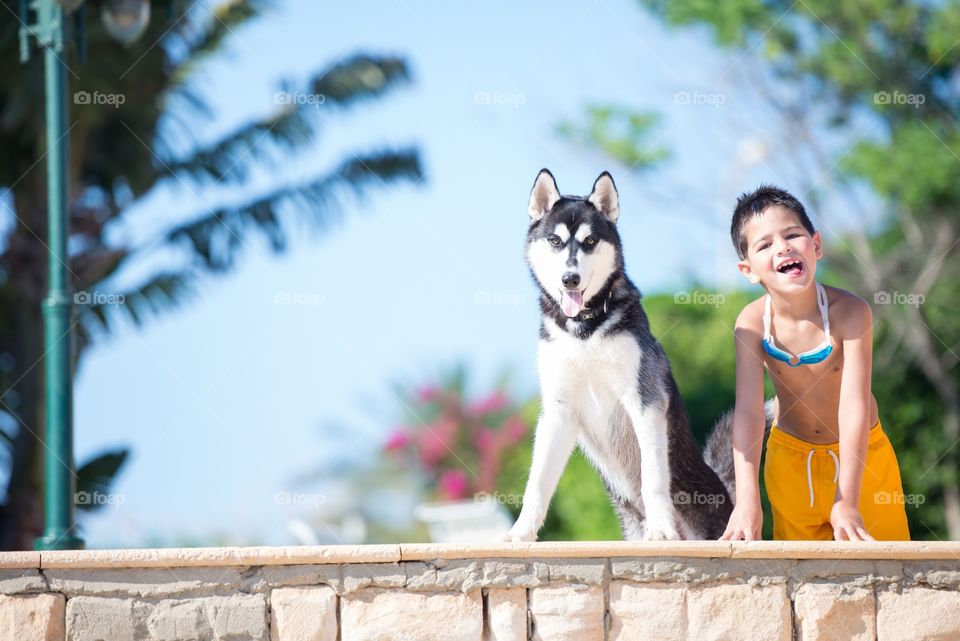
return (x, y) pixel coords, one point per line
(791, 268)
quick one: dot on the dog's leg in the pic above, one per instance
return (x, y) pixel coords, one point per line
(631, 518)
(650, 425)
(553, 443)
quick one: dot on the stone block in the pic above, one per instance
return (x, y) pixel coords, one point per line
(918, 614)
(376, 614)
(647, 611)
(574, 613)
(834, 612)
(739, 612)
(33, 617)
(303, 614)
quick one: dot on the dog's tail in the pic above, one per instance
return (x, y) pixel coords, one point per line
(719, 451)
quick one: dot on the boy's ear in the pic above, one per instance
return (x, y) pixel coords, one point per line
(818, 244)
(747, 272)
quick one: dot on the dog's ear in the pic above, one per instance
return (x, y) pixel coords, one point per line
(543, 196)
(604, 197)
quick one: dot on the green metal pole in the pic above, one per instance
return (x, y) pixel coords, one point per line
(58, 508)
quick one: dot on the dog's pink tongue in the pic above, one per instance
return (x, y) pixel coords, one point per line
(571, 302)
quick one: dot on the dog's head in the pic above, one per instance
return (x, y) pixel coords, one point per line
(573, 248)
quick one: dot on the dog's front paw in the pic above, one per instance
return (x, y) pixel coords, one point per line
(661, 532)
(518, 536)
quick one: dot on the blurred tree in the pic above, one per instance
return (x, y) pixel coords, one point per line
(456, 444)
(155, 140)
(868, 95)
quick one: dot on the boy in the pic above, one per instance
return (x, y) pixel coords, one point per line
(830, 470)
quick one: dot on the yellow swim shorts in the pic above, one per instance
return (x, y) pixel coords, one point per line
(801, 480)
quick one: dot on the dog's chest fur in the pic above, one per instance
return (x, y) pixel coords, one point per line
(589, 378)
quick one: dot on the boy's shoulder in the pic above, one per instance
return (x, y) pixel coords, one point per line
(751, 316)
(850, 315)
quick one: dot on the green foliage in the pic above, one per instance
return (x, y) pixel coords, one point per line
(157, 139)
(622, 134)
(925, 152)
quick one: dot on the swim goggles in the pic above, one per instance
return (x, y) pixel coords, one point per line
(817, 354)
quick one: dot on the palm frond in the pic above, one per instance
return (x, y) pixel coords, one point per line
(201, 42)
(96, 476)
(95, 265)
(161, 292)
(360, 77)
(230, 157)
(216, 238)
(340, 85)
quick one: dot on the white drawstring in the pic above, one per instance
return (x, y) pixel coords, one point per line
(836, 466)
(836, 471)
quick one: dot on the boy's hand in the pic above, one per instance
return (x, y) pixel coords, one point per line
(847, 523)
(745, 522)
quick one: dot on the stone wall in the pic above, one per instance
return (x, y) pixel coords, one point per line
(584, 591)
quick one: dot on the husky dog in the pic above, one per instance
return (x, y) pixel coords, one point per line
(606, 382)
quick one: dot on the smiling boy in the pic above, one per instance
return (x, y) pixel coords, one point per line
(830, 471)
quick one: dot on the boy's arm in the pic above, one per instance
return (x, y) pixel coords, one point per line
(854, 417)
(748, 423)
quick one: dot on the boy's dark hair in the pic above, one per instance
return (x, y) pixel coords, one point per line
(756, 202)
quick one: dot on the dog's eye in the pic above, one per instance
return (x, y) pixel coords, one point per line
(554, 240)
(589, 241)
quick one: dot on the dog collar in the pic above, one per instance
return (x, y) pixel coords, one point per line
(590, 314)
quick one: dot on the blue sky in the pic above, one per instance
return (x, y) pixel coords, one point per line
(226, 401)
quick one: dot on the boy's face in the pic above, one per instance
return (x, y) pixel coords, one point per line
(781, 254)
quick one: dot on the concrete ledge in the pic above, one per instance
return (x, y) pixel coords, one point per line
(357, 554)
(20, 560)
(583, 591)
(212, 557)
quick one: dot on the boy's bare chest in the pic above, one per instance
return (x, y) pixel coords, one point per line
(808, 396)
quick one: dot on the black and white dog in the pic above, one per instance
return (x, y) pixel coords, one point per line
(606, 382)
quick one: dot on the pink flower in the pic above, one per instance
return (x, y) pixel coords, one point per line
(515, 429)
(397, 441)
(453, 484)
(428, 394)
(435, 442)
(485, 438)
(490, 404)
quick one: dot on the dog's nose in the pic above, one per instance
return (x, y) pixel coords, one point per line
(570, 280)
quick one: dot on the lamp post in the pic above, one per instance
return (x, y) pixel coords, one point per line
(59, 484)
